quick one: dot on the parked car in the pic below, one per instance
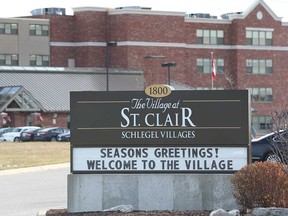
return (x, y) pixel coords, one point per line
(49, 134)
(270, 147)
(14, 135)
(28, 135)
(5, 130)
(64, 137)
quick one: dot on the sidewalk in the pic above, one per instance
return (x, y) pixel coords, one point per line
(33, 169)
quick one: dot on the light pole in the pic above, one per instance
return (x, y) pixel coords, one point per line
(169, 64)
(108, 44)
(150, 66)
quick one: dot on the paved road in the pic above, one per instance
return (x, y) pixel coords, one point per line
(25, 192)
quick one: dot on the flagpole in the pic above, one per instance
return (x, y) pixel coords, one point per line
(212, 70)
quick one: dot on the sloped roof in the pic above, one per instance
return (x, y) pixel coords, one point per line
(180, 86)
(51, 88)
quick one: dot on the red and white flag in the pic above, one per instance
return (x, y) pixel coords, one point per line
(8, 118)
(213, 67)
(40, 118)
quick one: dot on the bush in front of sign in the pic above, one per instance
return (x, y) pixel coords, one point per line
(261, 184)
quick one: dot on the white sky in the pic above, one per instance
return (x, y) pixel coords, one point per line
(14, 8)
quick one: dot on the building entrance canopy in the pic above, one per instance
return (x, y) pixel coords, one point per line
(17, 98)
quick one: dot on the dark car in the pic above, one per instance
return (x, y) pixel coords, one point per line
(64, 137)
(49, 134)
(28, 135)
(270, 147)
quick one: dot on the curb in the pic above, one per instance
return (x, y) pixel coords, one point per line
(34, 169)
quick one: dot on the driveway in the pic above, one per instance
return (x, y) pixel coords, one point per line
(24, 192)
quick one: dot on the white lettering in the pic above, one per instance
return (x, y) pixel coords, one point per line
(186, 117)
(127, 119)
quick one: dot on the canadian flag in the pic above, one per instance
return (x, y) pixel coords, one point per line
(213, 67)
(8, 118)
(40, 118)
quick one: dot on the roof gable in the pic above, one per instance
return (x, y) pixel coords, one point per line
(252, 7)
(17, 98)
(267, 8)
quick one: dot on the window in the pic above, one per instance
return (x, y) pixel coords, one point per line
(209, 88)
(261, 122)
(209, 36)
(205, 65)
(9, 59)
(9, 28)
(259, 37)
(39, 60)
(261, 95)
(259, 66)
(39, 30)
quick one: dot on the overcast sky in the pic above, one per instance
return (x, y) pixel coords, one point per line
(14, 8)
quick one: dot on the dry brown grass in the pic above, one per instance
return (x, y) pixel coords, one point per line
(29, 154)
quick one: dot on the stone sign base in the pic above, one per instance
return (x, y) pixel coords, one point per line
(96, 192)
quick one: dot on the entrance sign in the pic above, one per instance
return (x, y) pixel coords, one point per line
(160, 130)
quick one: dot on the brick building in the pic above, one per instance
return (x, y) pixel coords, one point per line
(250, 48)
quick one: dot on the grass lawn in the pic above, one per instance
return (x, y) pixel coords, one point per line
(29, 154)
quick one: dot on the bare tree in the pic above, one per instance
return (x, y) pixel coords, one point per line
(279, 126)
(230, 79)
